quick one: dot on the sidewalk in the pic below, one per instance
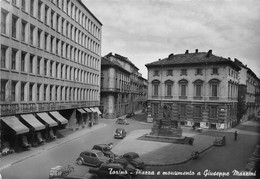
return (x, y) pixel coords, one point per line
(9, 160)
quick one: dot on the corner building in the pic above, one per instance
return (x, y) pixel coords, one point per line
(50, 68)
(200, 88)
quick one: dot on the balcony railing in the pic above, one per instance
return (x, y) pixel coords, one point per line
(16, 108)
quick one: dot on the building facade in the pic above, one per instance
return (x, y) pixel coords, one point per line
(123, 89)
(248, 93)
(50, 64)
(200, 88)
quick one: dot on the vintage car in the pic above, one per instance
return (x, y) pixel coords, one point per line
(122, 121)
(111, 170)
(105, 149)
(120, 133)
(92, 158)
(134, 159)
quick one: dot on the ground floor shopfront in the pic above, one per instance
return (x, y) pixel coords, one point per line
(22, 131)
(210, 115)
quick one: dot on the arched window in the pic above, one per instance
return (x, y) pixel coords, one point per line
(183, 88)
(214, 88)
(155, 86)
(198, 84)
(168, 87)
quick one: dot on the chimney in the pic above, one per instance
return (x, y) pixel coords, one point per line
(196, 51)
(209, 53)
(187, 52)
(229, 58)
(170, 55)
(159, 59)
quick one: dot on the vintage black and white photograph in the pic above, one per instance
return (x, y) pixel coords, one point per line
(131, 89)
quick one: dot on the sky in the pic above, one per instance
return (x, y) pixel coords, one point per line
(148, 30)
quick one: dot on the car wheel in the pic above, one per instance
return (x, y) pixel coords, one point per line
(79, 162)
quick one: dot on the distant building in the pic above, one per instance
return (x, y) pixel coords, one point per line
(248, 93)
(123, 89)
(50, 68)
(200, 88)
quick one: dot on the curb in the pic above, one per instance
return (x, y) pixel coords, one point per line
(51, 147)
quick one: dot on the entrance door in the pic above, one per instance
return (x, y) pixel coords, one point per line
(213, 126)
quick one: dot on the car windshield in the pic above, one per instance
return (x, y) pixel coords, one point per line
(106, 148)
(100, 154)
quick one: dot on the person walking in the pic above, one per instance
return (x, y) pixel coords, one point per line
(235, 135)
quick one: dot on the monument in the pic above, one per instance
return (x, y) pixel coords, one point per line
(166, 124)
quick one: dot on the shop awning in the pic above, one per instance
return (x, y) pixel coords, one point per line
(32, 121)
(81, 111)
(92, 109)
(87, 109)
(59, 117)
(15, 124)
(97, 110)
(44, 116)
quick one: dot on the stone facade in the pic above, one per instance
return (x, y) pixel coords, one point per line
(201, 88)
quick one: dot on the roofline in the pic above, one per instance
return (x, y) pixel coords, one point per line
(199, 63)
(80, 1)
(113, 65)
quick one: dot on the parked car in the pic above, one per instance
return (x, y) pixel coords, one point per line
(129, 167)
(105, 149)
(63, 172)
(134, 159)
(120, 133)
(130, 114)
(122, 121)
(92, 157)
(110, 170)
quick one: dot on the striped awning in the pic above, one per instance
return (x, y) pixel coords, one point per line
(45, 117)
(97, 110)
(15, 124)
(59, 117)
(87, 109)
(92, 109)
(81, 111)
(32, 121)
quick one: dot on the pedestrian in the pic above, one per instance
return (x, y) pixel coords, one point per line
(235, 135)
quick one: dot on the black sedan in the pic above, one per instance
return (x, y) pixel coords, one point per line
(92, 158)
(134, 159)
(120, 133)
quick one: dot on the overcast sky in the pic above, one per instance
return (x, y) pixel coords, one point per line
(146, 30)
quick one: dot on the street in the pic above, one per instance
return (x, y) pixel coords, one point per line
(225, 159)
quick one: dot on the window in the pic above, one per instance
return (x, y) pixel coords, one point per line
(31, 92)
(38, 92)
(51, 67)
(3, 56)
(39, 9)
(22, 90)
(46, 14)
(57, 46)
(31, 64)
(45, 66)
(23, 55)
(44, 93)
(215, 71)
(13, 85)
(198, 71)
(156, 73)
(14, 2)
(213, 113)
(168, 87)
(155, 84)
(24, 31)
(52, 19)
(214, 85)
(32, 8)
(62, 23)
(57, 70)
(39, 39)
(57, 23)
(13, 60)
(183, 71)
(39, 65)
(2, 88)
(197, 111)
(52, 44)
(23, 5)
(14, 22)
(3, 21)
(169, 72)
(31, 34)
(183, 88)
(182, 110)
(45, 41)
(198, 88)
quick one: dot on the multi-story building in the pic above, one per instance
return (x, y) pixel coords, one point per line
(248, 93)
(200, 88)
(123, 89)
(50, 67)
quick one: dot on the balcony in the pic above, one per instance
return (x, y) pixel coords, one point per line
(112, 90)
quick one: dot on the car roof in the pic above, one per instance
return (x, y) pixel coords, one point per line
(90, 151)
(115, 165)
(120, 129)
(101, 145)
(132, 154)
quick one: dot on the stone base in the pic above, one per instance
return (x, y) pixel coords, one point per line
(177, 140)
